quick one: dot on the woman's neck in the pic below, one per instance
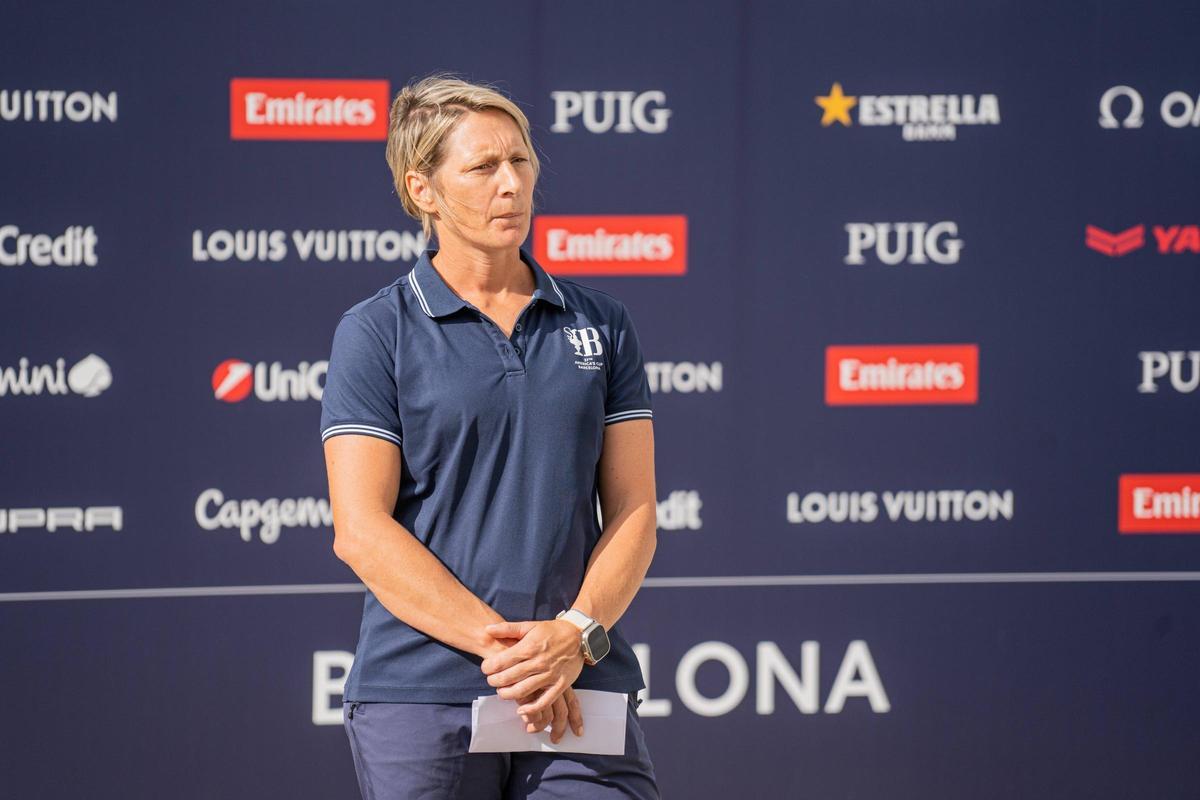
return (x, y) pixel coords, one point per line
(472, 272)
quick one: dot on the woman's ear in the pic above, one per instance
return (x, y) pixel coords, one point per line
(420, 190)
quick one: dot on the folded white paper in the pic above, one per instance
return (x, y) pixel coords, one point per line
(497, 728)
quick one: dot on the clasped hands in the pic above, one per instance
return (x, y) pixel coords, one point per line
(536, 666)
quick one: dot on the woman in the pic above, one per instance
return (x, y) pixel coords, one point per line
(474, 411)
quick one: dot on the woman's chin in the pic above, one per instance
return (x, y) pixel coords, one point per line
(506, 239)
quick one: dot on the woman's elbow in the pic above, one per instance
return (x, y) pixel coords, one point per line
(346, 544)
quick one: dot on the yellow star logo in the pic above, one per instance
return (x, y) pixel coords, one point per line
(836, 106)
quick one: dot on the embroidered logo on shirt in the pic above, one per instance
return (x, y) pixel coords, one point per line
(586, 342)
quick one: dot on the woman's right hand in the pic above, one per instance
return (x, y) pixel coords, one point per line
(564, 711)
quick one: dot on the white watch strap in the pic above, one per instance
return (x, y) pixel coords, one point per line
(577, 618)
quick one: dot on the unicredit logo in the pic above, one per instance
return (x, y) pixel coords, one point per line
(1162, 503)
(319, 109)
(233, 380)
(624, 245)
(901, 374)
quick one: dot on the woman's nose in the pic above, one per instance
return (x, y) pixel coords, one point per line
(510, 179)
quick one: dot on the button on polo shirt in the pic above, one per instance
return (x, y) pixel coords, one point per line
(500, 440)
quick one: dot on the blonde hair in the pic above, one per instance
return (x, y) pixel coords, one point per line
(423, 114)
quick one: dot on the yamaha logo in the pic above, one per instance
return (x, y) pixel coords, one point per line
(1168, 239)
(1115, 244)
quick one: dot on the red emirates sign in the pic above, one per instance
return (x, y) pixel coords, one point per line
(312, 108)
(901, 374)
(614, 245)
(1163, 503)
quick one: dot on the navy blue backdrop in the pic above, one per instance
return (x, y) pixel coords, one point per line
(924, 348)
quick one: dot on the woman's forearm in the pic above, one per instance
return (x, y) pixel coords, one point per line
(414, 585)
(618, 564)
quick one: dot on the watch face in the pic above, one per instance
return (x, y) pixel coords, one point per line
(597, 642)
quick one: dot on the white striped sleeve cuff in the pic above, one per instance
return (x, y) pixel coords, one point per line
(364, 430)
(633, 413)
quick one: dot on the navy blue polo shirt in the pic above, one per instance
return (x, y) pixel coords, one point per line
(500, 440)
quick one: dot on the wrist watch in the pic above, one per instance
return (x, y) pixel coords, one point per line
(593, 638)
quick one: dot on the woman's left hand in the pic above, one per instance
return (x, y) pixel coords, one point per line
(545, 662)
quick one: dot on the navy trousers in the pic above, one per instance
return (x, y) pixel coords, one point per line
(414, 751)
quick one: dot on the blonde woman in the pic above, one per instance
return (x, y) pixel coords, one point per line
(475, 410)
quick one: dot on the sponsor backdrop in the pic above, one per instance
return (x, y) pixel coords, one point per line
(917, 289)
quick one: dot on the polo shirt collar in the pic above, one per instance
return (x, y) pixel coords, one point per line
(438, 300)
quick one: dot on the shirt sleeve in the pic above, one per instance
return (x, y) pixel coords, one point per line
(628, 388)
(360, 385)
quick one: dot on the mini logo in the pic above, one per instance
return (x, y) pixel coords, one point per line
(89, 377)
(234, 379)
(913, 374)
(613, 245)
(1115, 244)
(623, 112)
(921, 118)
(1162, 503)
(314, 109)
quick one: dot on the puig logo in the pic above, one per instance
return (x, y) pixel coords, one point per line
(623, 112)
(1158, 364)
(896, 242)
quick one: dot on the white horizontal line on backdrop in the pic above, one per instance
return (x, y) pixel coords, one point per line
(649, 583)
